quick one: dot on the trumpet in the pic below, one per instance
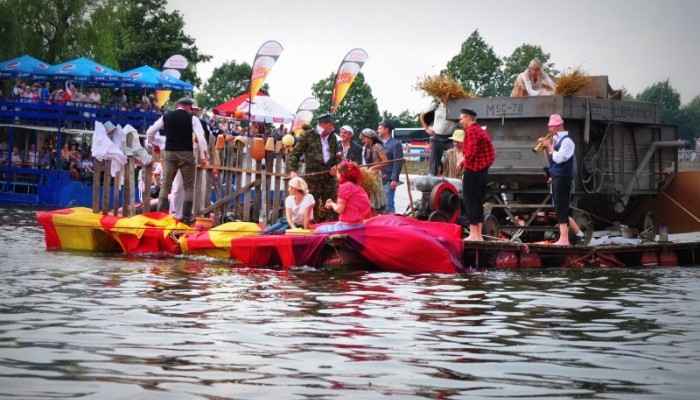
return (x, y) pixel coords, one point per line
(539, 146)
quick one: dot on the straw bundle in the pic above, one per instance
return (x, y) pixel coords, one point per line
(442, 87)
(370, 183)
(568, 83)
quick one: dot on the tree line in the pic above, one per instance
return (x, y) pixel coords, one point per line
(125, 34)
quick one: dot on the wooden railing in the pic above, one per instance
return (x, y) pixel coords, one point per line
(235, 185)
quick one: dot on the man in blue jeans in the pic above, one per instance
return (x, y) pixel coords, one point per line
(391, 171)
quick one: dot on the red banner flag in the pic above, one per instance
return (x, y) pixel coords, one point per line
(265, 59)
(347, 72)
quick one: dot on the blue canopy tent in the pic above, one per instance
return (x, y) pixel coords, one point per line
(147, 77)
(24, 66)
(84, 71)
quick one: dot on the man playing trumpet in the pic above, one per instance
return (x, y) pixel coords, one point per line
(559, 151)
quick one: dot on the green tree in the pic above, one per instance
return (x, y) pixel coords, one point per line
(477, 67)
(149, 35)
(359, 107)
(404, 120)
(518, 62)
(689, 119)
(664, 94)
(626, 95)
(48, 30)
(122, 34)
(227, 81)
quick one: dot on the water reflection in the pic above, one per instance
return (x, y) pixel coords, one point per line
(113, 327)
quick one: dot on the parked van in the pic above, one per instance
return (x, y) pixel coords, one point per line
(416, 142)
(405, 135)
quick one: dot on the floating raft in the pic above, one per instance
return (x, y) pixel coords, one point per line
(503, 254)
(389, 243)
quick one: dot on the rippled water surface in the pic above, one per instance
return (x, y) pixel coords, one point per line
(107, 326)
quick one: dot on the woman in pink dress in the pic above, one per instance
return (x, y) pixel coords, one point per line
(353, 204)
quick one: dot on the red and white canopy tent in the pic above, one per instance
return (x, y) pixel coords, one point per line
(262, 109)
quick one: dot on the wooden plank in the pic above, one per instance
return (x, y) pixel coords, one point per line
(232, 196)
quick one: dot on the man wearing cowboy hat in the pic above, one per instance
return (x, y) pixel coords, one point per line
(451, 166)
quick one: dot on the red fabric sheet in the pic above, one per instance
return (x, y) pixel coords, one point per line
(400, 244)
(285, 250)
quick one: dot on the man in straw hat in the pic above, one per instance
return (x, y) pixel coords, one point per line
(321, 154)
(452, 165)
(179, 128)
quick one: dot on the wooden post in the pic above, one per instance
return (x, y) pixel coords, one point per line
(115, 185)
(248, 162)
(128, 201)
(96, 184)
(408, 189)
(106, 185)
(147, 172)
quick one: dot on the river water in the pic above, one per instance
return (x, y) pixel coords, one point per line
(108, 326)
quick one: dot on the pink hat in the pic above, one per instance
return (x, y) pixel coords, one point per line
(555, 120)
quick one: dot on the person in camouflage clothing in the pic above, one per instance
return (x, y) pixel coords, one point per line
(321, 154)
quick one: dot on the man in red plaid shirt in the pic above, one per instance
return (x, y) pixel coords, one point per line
(478, 157)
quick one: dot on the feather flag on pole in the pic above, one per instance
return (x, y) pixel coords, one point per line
(347, 72)
(265, 59)
(305, 114)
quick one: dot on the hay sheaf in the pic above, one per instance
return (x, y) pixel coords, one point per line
(568, 83)
(370, 183)
(442, 87)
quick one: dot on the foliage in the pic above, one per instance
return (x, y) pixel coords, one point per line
(404, 120)
(689, 119)
(664, 94)
(226, 82)
(48, 30)
(518, 62)
(122, 34)
(626, 94)
(476, 67)
(358, 109)
(151, 35)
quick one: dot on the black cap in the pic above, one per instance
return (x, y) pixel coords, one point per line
(185, 100)
(385, 122)
(325, 118)
(467, 111)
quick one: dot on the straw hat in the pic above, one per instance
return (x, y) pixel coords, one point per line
(458, 135)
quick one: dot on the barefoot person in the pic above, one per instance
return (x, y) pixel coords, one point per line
(560, 154)
(479, 155)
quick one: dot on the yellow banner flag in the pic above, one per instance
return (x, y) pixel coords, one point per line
(347, 72)
(265, 59)
(162, 96)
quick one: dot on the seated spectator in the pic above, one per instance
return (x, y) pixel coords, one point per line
(16, 158)
(32, 157)
(353, 204)
(299, 208)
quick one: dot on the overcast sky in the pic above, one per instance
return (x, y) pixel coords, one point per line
(635, 43)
